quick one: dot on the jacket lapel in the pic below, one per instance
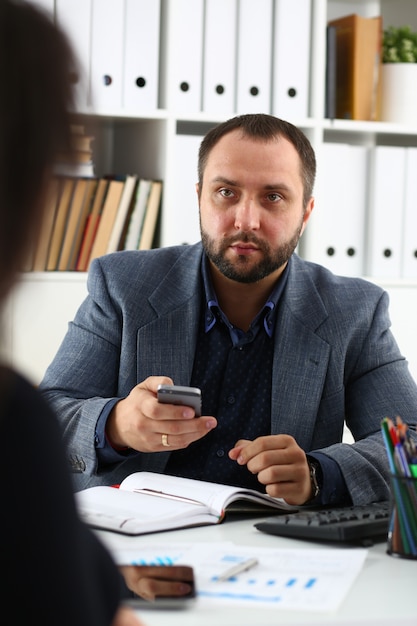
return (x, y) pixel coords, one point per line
(300, 357)
(171, 337)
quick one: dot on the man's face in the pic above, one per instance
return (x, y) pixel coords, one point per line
(251, 206)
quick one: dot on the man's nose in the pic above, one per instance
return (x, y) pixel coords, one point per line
(247, 216)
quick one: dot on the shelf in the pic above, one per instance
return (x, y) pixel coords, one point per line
(63, 277)
(372, 128)
(162, 143)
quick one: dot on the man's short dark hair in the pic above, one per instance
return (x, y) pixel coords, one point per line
(265, 128)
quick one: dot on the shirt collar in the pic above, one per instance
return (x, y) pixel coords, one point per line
(213, 310)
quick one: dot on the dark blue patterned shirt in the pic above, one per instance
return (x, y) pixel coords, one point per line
(233, 369)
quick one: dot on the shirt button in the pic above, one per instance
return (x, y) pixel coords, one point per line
(231, 400)
(220, 453)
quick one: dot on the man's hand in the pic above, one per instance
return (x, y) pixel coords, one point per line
(144, 424)
(280, 464)
(149, 582)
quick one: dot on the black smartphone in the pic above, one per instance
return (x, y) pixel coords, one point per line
(167, 573)
(177, 394)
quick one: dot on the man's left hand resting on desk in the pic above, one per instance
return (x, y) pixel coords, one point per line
(280, 464)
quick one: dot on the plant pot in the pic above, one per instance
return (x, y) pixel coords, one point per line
(399, 93)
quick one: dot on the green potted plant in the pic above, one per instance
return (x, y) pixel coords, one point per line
(399, 75)
(399, 45)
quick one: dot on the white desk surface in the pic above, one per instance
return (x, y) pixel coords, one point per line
(384, 594)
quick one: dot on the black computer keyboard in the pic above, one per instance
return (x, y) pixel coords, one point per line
(364, 524)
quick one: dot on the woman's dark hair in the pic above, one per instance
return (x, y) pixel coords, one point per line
(265, 128)
(36, 100)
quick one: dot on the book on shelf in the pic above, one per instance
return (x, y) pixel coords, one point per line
(123, 213)
(150, 218)
(107, 218)
(358, 66)
(76, 214)
(331, 72)
(67, 187)
(147, 502)
(91, 226)
(44, 241)
(76, 170)
(82, 143)
(134, 225)
(89, 198)
(80, 163)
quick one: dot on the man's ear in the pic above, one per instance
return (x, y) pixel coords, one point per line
(307, 213)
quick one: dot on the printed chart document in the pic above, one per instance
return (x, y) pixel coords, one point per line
(312, 580)
(147, 502)
(283, 578)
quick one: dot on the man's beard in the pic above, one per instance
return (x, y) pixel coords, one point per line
(238, 270)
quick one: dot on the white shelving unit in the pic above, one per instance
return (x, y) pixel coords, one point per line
(162, 143)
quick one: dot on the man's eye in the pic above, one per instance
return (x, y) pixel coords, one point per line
(274, 197)
(226, 193)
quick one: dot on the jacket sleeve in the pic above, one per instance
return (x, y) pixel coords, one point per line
(84, 376)
(377, 384)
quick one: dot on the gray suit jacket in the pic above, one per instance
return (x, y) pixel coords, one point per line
(335, 360)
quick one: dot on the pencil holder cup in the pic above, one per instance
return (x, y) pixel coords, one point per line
(402, 533)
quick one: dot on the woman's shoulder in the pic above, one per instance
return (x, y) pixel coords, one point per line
(23, 408)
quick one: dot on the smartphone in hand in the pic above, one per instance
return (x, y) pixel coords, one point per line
(178, 573)
(177, 394)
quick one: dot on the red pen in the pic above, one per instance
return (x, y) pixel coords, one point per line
(392, 432)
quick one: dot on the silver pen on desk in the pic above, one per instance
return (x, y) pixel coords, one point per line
(237, 569)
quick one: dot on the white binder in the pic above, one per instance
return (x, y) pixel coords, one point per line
(141, 55)
(386, 212)
(182, 56)
(107, 54)
(219, 61)
(180, 218)
(335, 234)
(74, 17)
(291, 59)
(409, 246)
(254, 56)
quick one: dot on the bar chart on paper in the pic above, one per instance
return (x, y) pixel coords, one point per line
(313, 580)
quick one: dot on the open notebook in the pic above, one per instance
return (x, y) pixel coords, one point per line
(148, 502)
